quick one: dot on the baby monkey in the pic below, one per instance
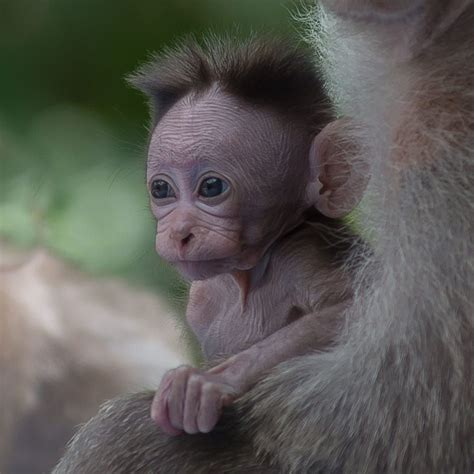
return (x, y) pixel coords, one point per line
(248, 178)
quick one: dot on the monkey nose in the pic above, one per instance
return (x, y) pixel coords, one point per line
(183, 244)
(185, 240)
(182, 236)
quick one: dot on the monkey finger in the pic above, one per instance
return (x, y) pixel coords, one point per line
(177, 395)
(159, 413)
(191, 404)
(210, 408)
(165, 383)
(161, 395)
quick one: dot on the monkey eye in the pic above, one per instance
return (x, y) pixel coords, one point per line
(161, 189)
(212, 186)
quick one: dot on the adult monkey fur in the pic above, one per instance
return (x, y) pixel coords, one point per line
(396, 395)
(243, 174)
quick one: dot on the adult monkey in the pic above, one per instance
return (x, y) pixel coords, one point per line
(396, 396)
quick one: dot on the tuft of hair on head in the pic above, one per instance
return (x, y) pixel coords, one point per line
(273, 72)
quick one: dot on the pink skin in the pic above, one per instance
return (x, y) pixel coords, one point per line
(190, 400)
(219, 243)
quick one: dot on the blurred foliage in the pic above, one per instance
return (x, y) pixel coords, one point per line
(72, 133)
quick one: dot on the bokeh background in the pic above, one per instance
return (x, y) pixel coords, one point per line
(86, 314)
(73, 133)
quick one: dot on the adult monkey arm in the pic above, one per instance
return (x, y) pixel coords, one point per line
(122, 438)
(396, 397)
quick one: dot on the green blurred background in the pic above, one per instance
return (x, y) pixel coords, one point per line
(73, 134)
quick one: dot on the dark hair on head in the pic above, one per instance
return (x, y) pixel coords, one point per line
(271, 72)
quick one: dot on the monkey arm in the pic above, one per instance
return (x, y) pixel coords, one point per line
(191, 400)
(311, 332)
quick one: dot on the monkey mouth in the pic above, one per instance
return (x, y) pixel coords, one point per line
(205, 254)
(203, 269)
(188, 258)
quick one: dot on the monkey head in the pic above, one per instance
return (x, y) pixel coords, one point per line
(225, 181)
(233, 161)
(227, 178)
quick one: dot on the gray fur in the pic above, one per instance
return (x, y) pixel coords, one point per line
(123, 439)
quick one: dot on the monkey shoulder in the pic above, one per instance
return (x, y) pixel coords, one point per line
(307, 265)
(302, 252)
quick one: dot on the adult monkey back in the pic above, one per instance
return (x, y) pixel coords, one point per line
(396, 395)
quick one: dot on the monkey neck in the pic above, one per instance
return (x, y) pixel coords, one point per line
(248, 279)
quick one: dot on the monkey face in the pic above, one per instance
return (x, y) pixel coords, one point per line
(215, 171)
(203, 227)
(199, 229)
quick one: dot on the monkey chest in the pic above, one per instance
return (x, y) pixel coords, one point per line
(224, 325)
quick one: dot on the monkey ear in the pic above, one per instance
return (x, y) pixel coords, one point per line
(338, 172)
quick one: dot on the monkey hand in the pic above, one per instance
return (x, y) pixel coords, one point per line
(190, 400)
